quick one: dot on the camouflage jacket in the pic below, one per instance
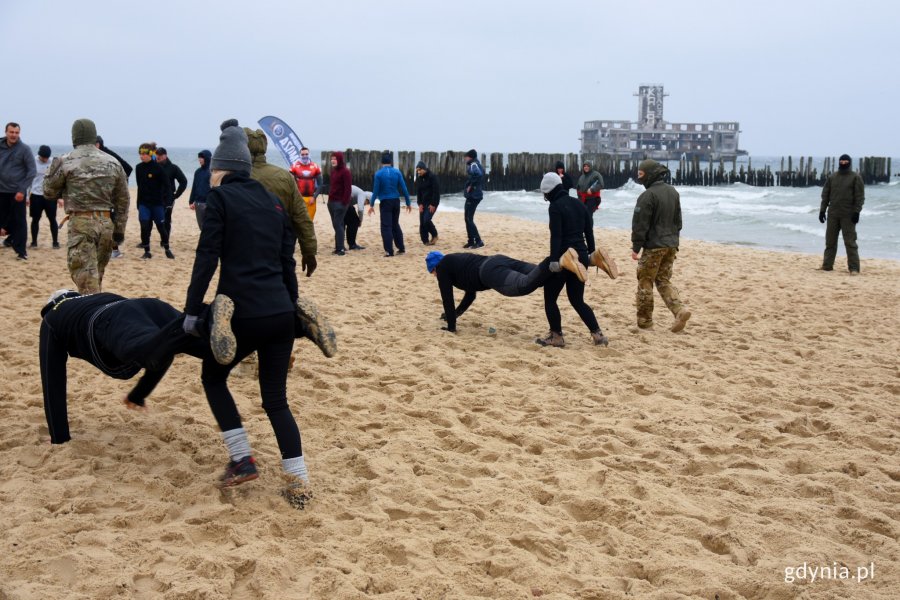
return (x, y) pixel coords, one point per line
(281, 183)
(89, 179)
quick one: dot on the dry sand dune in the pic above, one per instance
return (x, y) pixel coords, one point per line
(692, 465)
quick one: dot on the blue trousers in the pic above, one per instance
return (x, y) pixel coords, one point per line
(390, 226)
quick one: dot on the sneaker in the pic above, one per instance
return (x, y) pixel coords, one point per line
(401, 251)
(237, 472)
(388, 255)
(569, 261)
(21, 257)
(823, 268)
(681, 320)
(147, 255)
(601, 259)
(552, 339)
(34, 244)
(169, 254)
(478, 244)
(116, 254)
(854, 273)
(139, 245)
(221, 339)
(339, 252)
(316, 326)
(297, 493)
(432, 241)
(469, 245)
(599, 339)
(56, 246)
(357, 247)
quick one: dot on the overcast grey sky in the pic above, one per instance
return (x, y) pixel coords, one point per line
(801, 77)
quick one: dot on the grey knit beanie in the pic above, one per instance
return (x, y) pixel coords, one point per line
(232, 153)
(550, 181)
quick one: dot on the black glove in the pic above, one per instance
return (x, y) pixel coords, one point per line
(855, 218)
(822, 217)
(308, 264)
(118, 238)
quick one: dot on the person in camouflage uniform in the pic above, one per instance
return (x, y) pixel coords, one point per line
(93, 185)
(842, 197)
(281, 183)
(655, 229)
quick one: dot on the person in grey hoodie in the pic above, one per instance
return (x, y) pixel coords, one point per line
(589, 185)
(17, 170)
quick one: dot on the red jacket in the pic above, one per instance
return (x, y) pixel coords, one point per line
(341, 180)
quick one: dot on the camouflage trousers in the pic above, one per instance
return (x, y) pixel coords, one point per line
(90, 244)
(655, 268)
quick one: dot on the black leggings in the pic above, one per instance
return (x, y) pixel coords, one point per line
(39, 206)
(272, 338)
(575, 292)
(511, 277)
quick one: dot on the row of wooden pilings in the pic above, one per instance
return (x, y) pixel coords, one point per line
(524, 170)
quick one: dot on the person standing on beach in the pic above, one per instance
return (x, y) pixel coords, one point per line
(473, 195)
(174, 175)
(354, 216)
(387, 186)
(200, 187)
(37, 204)
(655, 228)
(94, 185)
(309, 178)
(571, 248)
(842, 198)
(152, 188)
(261, 281)
(17, 170)
(339, 193)
(116, 253)
(566, 180)
(428, 197)
(281, 182)
(590, 183)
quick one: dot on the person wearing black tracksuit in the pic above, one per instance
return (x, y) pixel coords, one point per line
(260, 278)
(174, 175)
(428, 197)
(474, 273)
(570, 227)
(119, 336)
(151, 194)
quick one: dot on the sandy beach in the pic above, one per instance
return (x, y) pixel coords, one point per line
(705, 464)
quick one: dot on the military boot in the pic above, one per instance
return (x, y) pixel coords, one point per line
(221, 338)
(551, 339)
(569, 261)
(316, 327)
(681, 320)
(599, 339)
(601, 259)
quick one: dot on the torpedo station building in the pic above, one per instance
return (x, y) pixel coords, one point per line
(651, 136)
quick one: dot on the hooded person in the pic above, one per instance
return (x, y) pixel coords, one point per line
(655, 228)
(339, 191)
(249, 270)
(590, 183)
(571, 249)
(200, 187)
(843, 196)
(97, 200)
(566, 180)
(281, 183)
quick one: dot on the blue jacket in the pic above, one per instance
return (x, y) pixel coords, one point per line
(474, 180)
(388, 185)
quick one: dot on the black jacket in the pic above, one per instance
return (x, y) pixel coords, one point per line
(200, 186)
(125, 166)
(570, 225)
(173, 175)
(459, 270)
(247, 229)
(151, 183)
(428, 191)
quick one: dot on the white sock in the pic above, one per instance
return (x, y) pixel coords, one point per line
(296, 466)
(237, 443)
